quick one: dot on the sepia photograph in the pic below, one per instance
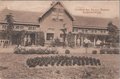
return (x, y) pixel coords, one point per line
(59, 39)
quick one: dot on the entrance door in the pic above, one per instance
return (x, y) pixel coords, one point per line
(50, 36)
(32, 36)
(16, 39)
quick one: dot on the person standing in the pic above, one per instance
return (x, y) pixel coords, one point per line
(25, 40)
(78, 42)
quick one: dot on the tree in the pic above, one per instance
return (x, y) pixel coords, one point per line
(64, 30)
(113, 33)
(41, 38)
(70, 39)
(10, 24)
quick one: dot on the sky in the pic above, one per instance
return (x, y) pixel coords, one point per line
(106, 9)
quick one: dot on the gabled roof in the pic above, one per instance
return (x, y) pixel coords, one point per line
(21, 16)
(94, 22)
(53, 4)
(79, 21)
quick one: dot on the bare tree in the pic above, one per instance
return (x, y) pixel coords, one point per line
(64, 30)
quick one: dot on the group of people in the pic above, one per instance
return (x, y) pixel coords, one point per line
(87, 43)
(28, 41)
(4, 43)
(63, 61)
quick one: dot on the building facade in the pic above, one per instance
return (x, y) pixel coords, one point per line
(54, 20)
(23, 34)
(51, 22)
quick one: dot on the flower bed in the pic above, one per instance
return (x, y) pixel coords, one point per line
(39, 50)
(62, 61)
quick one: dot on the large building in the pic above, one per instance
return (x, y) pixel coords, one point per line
(51, 22)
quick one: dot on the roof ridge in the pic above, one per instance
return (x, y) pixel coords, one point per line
(19, 10)
(91, 17)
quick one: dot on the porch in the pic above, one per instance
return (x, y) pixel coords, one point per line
(24, 38)
(93, 40)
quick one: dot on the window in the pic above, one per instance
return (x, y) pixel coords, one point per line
(57, 14)
(52, 29)
(29, 28)
(101, 31)
(21, 27)
(104, 31)
(54, 15)
(32, 28)
(75, 29)
(60, 17)
(17, 27)
(92, 31)
(50, 36)
(95, 31)
(86, 30)
(83, 30)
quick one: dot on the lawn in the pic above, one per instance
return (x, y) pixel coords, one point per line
(13, 66)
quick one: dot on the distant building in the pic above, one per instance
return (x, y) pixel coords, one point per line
(51, 22)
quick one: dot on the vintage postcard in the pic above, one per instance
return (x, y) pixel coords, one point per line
(59, 39)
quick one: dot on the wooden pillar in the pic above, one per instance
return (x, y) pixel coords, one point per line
(75, 39)
(104, 41)
(25, 38)
(22, 40)
(82, 40)
(36, 38)
(94, 41)
(45, 34)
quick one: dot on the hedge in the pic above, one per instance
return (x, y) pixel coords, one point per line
(109, 51)
(34, 51)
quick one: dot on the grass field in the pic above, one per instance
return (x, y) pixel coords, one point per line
(13, 66)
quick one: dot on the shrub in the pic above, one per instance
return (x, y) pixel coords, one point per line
(67, 51)
(116, 51)
(110, 51)
(31, 51)
(70, 39)
(57, 42)
(17, 50)
(58, 71)
(20, 51)
(102, 51)
(32, 62)
(94, 52)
